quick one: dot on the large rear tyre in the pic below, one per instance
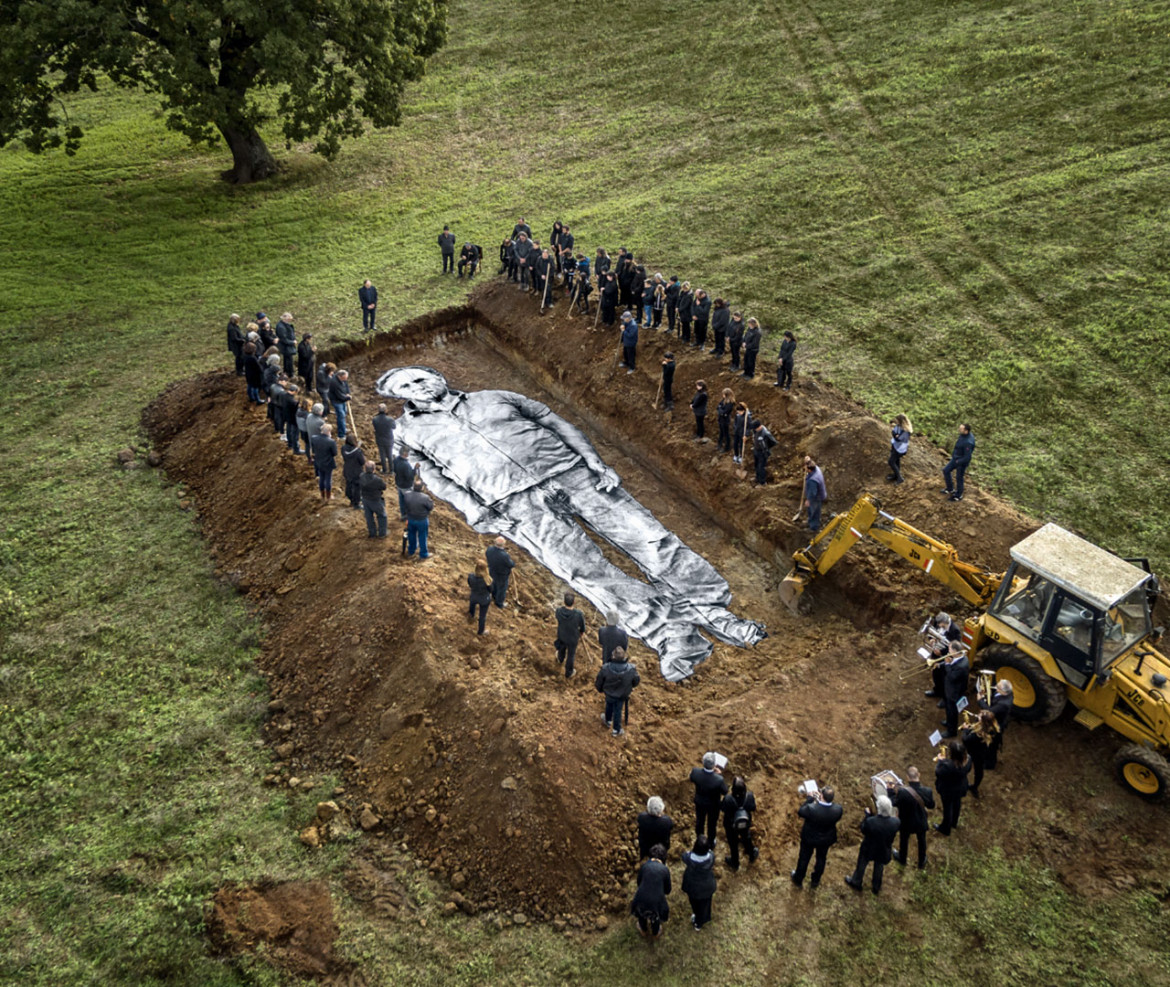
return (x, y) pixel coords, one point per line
(1144, 772)
(1036, 696)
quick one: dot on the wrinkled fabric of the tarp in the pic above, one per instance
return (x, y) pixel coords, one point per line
(511, 466)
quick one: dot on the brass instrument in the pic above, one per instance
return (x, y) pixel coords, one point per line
(985, 686)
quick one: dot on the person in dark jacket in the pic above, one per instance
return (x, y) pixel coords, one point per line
(304, 408)
(686, 311)
(877, 837)
(702, 313)
(307, 361)
(629, 342)
(523, 251)
(253, 373)
(738, 431)
(1001, 705)
(286, 341)
(950, 781)
(762, 445)
(739, 805)
(500, 566)
(339, 399)
(819, 832)
(735, 339)
(658, 305)
(670, 297)
(900, 432)
(235, 342)
(384, 437)
(785, 361)
(480, 595)
(944, 630)
(507, 257)
(978, 740)
(814, 493)
(267, 336)
(521, 227)
(611, 637)
(325, 384)
(368, 297)
(570, 627)
(447, 246)
(709, 791)
(913, 801)
(353, 459)
(313, 423)
(292, 401)
(468, 258)
(617, 678)
(608, 299)
(957, 674)
(646, 303)
(372, 488)
(650, 906)
(960, 459)
(720, 321)
(418, 508)
(699, 881)
(751, 348)
(654, 827)
(601, 264)
(699, 409)
(724, 411)
(668, 381)
(324, 460)
(404, 476)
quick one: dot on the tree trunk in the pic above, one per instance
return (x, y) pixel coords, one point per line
(251, 159)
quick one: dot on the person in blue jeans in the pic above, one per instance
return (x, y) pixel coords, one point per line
(616, 679)
(339, 398)
(418, 512)
(960, 460)
(814, 494)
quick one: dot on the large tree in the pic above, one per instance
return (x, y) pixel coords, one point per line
(219, 67)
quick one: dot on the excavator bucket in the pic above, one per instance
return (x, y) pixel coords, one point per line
(791, 588)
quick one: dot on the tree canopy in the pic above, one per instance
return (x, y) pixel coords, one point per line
(219, 67)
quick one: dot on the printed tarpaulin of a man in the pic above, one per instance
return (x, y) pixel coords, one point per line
(512, 466)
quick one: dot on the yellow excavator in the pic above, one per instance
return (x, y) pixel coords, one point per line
(1066, 621)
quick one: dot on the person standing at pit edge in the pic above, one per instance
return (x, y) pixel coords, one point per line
(384, 438)
(404, 476)
(570, 627)
(819, 832)
(961, 453)
(900, 432)
(418, 513)
(611, 637)
(479, 596)
(372, 488)
(235, 342)
(815, 493)
(368, 296)
(500, 566)
(668, 381)
(616, 679)
(709, 791)
(785, 361)
(447, 246)
(699, 409)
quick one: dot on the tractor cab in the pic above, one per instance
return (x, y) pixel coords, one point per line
(1083, 605)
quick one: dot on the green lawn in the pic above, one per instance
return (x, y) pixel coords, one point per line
(961, 209)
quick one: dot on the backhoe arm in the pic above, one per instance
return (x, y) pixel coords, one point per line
(866, 517)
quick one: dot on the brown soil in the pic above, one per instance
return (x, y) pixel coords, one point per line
(476, 752)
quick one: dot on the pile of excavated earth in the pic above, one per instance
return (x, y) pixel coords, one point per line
(475, 756)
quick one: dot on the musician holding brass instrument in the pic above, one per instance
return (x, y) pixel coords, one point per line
(912, 801)
(940, 631)
(956, 675)
(978, 738)
(950, 781)
(819, 832)
(1000, 704)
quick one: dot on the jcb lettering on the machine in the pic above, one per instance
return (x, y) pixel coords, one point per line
(914, 554)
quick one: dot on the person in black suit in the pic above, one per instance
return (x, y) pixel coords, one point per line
(368, 297)
(957, 674)
(500, 566)
(570, 627)
(235, 342)
(1001, 706)
(877, 836)
(978, 740)
(950, 781)
(480, 596)
(447, 246)
(611, 636)
(943, 630)
(819, 832)
(650, 906)
(709, 791)
(699, 881)
(654, 827)
(738, 807)
(912, 800)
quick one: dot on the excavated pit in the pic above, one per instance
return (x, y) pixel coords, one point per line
(477, 753)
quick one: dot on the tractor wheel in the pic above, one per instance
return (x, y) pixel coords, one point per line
(1143, 771)
(1036, 696)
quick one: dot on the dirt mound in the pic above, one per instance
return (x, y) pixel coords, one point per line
(475, 751)
(291, 924)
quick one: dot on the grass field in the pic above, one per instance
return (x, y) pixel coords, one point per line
(961, 209)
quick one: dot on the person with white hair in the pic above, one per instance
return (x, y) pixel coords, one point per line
(877, 839)
(709, 791)
(654, 827)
